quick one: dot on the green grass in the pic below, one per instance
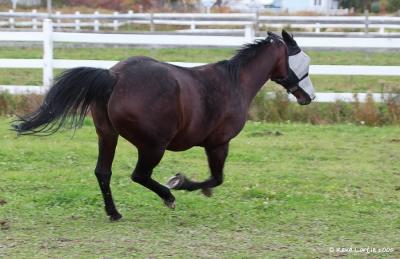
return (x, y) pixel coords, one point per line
(292, 195)
(322, 83)
(388, 58)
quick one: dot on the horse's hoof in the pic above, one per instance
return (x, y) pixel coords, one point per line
(170, 204)
(115, 217)
(176, 181)
(207, 192)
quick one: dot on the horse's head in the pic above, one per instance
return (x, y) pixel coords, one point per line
(292, 74)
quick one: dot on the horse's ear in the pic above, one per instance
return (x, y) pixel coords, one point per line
(271, 34)
(291, 43)
(287, 38)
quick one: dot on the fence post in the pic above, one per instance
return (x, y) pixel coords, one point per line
(192, 25)
(151, 21)
(130, 13)
(47, 53)
(257, 22)
(34, 20)
(366, 28)
(96, 25)
(11, 20)
(249, 33)
(77, 22)
(115, 22)
(58, 14)
(317, 27)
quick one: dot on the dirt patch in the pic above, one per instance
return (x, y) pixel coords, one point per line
(2, 202)
(266, 133)
(62, 239)
(4, 225)
(395, 140)
(73, 217)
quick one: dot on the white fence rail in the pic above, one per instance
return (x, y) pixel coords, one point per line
(116, 20)
(314, 69)
(48, 63)
(199, 40)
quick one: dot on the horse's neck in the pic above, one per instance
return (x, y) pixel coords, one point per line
(255, 74)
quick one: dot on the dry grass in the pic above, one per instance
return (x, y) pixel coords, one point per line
(279, 109)
(270, 109)
(19, 104)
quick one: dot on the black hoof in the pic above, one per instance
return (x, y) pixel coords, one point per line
(207, 192)
(170, 204)
(176, 182)
(115, 217)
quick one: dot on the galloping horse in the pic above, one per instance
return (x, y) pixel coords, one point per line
(158, 106)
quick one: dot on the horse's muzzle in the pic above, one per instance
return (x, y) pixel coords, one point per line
(304, 101)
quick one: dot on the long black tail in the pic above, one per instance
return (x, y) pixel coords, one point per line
(68, 101)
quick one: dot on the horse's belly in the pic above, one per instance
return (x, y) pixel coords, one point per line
(184, 142)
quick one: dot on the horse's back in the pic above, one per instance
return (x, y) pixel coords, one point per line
(144, 105)
(159, 102)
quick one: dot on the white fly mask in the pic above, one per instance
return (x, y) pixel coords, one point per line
(300, 64)
(297, 79)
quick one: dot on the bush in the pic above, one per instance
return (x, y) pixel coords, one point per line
(393, 5)
(107, 4)
(375, 7)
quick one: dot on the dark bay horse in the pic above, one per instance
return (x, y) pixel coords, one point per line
(158, 106)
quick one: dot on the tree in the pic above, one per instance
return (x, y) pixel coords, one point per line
(393, 5)
(360, 5)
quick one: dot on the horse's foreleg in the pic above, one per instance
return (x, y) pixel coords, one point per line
(216, 160)
(147, 160)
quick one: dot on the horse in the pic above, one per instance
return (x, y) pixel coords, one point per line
(158, 106)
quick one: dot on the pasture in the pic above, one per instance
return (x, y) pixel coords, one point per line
(291, 190)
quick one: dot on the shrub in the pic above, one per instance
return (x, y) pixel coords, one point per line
(375, 7)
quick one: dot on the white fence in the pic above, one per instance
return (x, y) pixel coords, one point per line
(48, 63)
(96, 21)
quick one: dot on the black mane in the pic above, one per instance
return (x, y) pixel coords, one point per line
(247, 53)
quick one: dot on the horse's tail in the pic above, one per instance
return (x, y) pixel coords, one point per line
(68, 101)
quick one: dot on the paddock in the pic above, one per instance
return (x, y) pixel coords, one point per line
(314, 182)
(312, 188)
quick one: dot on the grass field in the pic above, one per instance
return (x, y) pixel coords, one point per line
(292, 194)
(322, 83)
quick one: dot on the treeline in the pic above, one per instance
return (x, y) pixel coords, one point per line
(127, 4)
(373, 5)
(376, 6)
(358, 5)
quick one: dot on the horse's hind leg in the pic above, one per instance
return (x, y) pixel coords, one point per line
(108, 139)
(216, 159)
(147, 160)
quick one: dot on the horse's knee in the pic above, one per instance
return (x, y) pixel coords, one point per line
(102, 174)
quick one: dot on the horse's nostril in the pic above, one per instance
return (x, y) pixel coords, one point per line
(303, 101)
